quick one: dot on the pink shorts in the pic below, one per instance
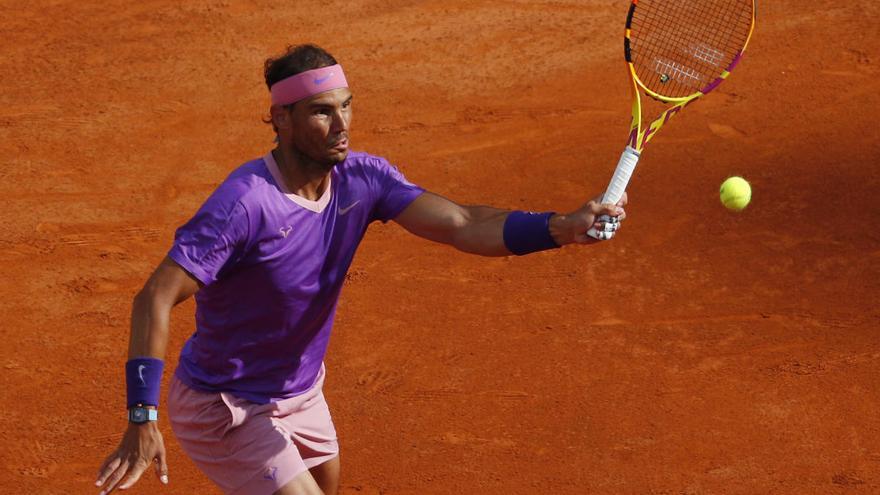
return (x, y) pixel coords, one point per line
(252, 449)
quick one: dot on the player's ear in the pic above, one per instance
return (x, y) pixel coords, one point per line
(280, 116)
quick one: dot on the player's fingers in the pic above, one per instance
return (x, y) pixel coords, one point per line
(594, 235)
(610, 210)
(607, 219)
(604, 236)
(110, 464)
(162, 467)
(606, 226)
(114, 478)
(135, 473)
(619, 213)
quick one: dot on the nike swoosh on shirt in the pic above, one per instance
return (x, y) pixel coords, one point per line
(343, 211)
(322, 80)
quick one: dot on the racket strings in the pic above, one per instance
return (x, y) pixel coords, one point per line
(679, 47)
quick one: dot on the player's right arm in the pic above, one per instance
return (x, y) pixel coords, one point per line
(486, 231)
(142, 444)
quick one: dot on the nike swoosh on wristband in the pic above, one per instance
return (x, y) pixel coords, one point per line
(322, 80)
(343, 211)
(141, 375)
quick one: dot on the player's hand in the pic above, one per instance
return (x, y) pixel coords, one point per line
(573, 227)
(141, 445)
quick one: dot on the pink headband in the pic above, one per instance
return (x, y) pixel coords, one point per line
(308, 83)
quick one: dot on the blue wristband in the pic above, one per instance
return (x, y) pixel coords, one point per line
(143, 377)
(527, 232)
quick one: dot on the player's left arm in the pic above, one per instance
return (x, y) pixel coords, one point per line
(491, 231)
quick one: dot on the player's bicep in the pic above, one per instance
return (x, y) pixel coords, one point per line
(170, 284)
(433, 217)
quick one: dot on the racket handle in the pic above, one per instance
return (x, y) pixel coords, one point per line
(622, 174)
(625, 167)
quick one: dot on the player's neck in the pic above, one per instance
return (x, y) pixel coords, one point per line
(302, 175)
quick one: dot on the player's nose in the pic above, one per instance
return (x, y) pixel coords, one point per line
(340, 122)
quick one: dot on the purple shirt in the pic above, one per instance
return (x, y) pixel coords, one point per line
(272, 264)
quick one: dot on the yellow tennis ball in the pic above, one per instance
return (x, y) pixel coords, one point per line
(735, 193)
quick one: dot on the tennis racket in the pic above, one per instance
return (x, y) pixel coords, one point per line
(677, 51)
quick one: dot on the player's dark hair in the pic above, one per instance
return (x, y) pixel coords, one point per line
(296, 59)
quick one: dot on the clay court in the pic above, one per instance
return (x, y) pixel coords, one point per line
(699, 352)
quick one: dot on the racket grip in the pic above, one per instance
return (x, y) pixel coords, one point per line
(625, 167)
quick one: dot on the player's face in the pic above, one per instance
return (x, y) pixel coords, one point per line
(320, 124)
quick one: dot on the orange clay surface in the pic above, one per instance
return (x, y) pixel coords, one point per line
(700, 352)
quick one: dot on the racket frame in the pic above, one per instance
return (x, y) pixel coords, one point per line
(639, 136)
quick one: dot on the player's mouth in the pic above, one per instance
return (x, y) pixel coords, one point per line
(340, 145)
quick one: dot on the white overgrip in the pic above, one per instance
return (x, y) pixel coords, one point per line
(625, 167)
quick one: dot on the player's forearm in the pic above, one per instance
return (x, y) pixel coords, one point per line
(482, 232)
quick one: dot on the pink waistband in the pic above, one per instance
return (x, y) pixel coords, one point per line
(308, 83)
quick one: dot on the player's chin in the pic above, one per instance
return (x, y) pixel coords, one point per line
(338, 151)
(337, 156)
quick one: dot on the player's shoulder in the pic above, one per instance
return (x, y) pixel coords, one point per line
(360, 160)
(246, 183)
(375, 170)
(366, 167)
(249, 178)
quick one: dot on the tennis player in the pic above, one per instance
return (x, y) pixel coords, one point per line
(265, 257)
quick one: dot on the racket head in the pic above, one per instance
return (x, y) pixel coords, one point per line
(678, 50)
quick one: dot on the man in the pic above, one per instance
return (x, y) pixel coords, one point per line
(265, 257)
